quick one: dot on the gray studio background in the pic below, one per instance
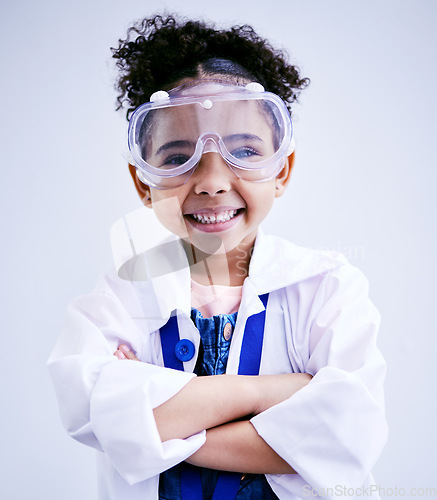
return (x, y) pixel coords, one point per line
(364, 183)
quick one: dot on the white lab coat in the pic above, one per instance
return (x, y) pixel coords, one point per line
(319, 320)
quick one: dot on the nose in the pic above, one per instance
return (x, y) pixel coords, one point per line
(212, 175)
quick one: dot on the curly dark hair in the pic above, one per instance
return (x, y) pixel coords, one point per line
(160, 52)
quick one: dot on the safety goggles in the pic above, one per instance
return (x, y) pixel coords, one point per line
(250, 128)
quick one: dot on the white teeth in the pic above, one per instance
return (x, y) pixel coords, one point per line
(212, 219)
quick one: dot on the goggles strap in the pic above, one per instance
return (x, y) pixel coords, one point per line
(141, 177)
(291, 147)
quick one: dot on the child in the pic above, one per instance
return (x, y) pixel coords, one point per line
(287, 402)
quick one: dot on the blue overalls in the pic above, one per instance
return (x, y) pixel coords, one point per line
(216, 335)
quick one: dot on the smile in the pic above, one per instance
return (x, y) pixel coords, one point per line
(215, 218)
(218, 220)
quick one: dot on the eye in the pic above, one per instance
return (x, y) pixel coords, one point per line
(244, 153)
(174, 160)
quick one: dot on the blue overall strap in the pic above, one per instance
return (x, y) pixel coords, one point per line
(169, 338)
(250, 358)
(252, 345)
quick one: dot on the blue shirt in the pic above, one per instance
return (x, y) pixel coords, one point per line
(216, 336)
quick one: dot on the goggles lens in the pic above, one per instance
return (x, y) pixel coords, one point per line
(250, 129)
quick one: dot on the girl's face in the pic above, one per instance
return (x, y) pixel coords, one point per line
(215, 210)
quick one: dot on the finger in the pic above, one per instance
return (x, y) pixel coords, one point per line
(127, 352)
(119, 354)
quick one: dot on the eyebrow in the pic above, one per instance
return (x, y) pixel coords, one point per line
(174, 144)
(238, 137)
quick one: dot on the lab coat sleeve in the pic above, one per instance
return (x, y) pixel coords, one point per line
(108, 403)
(333, 430)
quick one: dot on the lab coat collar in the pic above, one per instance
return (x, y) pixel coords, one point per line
(277, 263)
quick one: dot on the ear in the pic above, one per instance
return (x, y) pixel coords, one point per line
(143, 190)
(284, 176)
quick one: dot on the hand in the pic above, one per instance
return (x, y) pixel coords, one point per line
(123, 352)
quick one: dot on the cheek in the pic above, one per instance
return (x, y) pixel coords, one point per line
(168, 210)
(261, 200)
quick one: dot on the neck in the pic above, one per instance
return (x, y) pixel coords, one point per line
(230, 268)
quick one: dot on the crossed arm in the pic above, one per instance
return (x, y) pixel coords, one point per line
(215, 403)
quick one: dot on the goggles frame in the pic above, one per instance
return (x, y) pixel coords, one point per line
(157, 177)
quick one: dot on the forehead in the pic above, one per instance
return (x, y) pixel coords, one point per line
(223, 117)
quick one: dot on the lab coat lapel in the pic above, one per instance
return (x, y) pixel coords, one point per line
(277, 263)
